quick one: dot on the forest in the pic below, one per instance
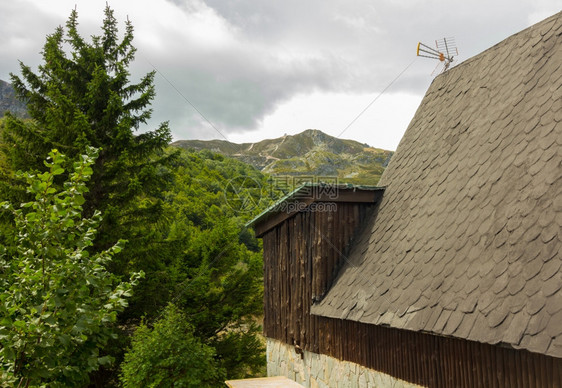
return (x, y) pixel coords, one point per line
(123, 261)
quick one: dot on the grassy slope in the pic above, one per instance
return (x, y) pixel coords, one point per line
(310, 153)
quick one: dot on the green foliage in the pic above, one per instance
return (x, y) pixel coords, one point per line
(207, 264)
(169, 355)
(180, 213)
(222, 294)
(241, 350)
(215, 275)
(204, 182)
(58, 300)
(81, 96)
(84, 98)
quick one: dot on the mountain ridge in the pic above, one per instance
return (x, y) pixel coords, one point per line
(9, 102)
(309, 153)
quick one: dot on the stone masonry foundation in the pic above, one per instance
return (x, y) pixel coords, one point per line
(320, 371)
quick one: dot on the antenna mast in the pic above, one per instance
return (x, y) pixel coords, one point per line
(444, 49)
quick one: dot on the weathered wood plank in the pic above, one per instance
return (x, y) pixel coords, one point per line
(300, 264)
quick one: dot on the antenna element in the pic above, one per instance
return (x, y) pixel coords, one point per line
(445, 48)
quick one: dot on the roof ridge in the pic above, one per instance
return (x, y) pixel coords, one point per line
(475, 57)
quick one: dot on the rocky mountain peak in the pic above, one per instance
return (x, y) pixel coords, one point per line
(309, 153)
(9, 102)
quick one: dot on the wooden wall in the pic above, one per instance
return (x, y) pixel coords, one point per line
(301, 258)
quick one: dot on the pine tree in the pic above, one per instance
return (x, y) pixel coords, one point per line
(82, 96)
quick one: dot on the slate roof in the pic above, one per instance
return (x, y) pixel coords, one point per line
(467, 239)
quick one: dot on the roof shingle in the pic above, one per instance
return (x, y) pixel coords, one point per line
(467, 239)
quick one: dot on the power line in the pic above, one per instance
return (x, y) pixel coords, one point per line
(187, 100)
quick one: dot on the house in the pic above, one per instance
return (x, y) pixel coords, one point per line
(450, 273)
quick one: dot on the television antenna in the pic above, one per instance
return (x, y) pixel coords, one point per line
(443, 51)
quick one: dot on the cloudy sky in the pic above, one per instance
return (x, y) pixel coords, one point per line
(260, 69)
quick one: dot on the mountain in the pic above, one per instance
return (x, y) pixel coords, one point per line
(9, 102)
(309, 153)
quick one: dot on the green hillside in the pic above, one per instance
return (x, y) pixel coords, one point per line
(309, 153)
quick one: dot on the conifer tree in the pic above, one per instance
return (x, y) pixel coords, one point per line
(81, 96)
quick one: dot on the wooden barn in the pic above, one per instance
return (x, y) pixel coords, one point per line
(450, 273)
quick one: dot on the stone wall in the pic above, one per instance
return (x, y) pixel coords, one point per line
(320, 371)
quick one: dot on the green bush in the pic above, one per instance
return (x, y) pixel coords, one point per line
(57, 301)
(169, 355)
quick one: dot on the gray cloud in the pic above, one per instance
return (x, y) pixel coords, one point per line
(355, 47)
(266, 52)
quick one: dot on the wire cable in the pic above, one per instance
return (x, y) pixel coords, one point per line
(187, 100)
(376, 98)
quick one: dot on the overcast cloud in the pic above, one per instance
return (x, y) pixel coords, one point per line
(259, 69)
